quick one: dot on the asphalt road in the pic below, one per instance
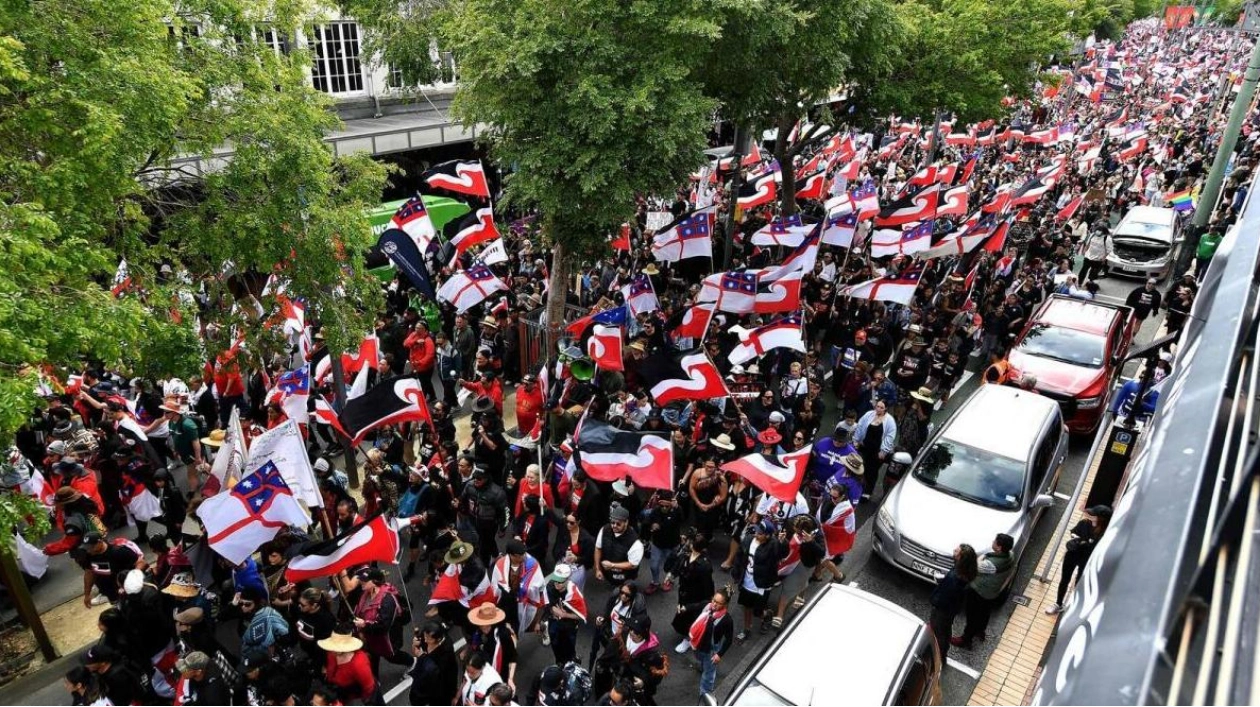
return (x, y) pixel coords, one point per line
(861, 567)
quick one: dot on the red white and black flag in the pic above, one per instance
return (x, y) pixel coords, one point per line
(459, 176)
(390, 402)
(609, 454)
(777, 474)
(919, 206)
(757, 191)
(681, 375)
(691, 322)
(373, 540)
(472, 229)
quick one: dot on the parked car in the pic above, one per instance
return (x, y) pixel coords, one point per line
(1074, 348)
(991, 468)
(1144, 242)
(894, 662)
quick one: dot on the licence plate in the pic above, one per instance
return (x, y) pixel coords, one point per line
(926, 569)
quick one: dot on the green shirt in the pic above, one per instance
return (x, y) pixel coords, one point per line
(184, 435)
(1207, 245)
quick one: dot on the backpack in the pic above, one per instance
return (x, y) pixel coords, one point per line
(577, 684)
(203, 429)
(402, 616)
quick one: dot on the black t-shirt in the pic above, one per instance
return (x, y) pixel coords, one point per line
(114, 562)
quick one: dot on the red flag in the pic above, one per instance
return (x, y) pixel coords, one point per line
(371, 541)
(997, 242)
(622, 241)
(604, 347)
(839, 527)
(692, 322)
(1069, 210)
(778, 474)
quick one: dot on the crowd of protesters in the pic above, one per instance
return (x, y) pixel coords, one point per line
(543, 554)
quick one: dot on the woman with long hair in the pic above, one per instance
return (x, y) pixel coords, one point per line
(947, 598)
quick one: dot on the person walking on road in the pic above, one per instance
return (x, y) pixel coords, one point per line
(711, 636)
(1144, 300)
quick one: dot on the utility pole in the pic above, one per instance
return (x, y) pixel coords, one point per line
(737, 156)
(1229, 139)
(25, 606)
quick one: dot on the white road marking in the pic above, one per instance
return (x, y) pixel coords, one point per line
(405, 684)
(964, 669)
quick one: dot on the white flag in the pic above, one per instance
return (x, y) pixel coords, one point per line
(496, 252)
(284, 446)
(230, 459)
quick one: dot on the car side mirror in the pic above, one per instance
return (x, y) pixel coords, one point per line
(1043, 500)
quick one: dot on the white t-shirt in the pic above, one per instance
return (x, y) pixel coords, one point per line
(748, 582)
(634, 555)
(474, 692)
(770, 507)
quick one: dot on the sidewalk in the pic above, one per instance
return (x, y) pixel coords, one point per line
(1013, 670)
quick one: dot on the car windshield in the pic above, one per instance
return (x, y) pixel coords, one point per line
(973, 475)
(1078, 348)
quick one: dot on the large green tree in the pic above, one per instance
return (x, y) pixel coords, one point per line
(102, 104)
(588, 102)
(777, 60)
(964, 56)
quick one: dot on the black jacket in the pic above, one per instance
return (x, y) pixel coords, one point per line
(765, 561)
(435, 677)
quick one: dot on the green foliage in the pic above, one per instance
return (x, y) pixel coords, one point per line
(967, 55)
(589, 102)
(97, 98)
(21, 514)
(402, 34)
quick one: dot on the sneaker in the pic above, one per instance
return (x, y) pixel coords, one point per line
(741, 636)
(683, 646)
(866, 497)
(651, 589)
(546, 638)
(1053, 609)
(958, 641)
(100, 599)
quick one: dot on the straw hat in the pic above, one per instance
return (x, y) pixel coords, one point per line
(486, 615)
(651, 269)
(172, 405)
(458, 553)
(67, 494)
(182, 586)
(855, 465)
(340, 643)
(722, 441)
(215, 438)
(924, 394)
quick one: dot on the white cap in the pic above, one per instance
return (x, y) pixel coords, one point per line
(777, 416)
(737, 370)
(321, 464)
(134, 582)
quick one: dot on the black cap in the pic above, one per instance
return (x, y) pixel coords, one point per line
(92, 538)
(1100, 511)
(516, 547)
(101, 653)
(371, 574)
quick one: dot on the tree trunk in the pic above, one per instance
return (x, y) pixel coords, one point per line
(557, 293)
(787, 169)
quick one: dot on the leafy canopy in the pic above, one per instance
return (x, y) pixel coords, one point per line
(590, 103)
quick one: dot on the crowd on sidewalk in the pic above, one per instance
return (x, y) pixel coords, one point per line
(508, 531)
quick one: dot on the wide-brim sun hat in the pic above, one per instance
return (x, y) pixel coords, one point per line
(340, 643)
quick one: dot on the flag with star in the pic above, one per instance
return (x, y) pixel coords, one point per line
(253, 512)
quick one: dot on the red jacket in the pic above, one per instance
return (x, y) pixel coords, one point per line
(494, 391)
(421, 351)
(528, 407)
(354, 680)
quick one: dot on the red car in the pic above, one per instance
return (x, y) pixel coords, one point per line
(1074, 348)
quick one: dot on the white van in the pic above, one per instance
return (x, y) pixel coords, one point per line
(1144, 243)
(892, 658)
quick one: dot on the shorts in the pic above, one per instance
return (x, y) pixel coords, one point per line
(755, 603)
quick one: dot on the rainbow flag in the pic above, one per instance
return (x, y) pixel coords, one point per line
(1181, 201)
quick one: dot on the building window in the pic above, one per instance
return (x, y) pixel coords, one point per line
(336, 69)
(277, 40)
(394, 79)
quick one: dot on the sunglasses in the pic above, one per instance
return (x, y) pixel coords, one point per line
(570, 522)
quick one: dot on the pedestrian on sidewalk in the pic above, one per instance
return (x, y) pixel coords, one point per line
(948, 597)
(1085, 537)
(993, 570)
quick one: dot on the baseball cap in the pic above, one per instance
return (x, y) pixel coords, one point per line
(765, 527)
(195, 660)
(100, 654)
